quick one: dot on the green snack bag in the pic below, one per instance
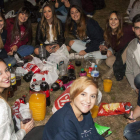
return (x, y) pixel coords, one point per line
(102, 130)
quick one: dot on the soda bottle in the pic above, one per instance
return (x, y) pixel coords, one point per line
(83, 72)
(66, 85)
(42, 52)
(45, 87)
(34, 83)
(56, 86)
(13, 77)
(37, 68)
(95, 74)
(71, 72)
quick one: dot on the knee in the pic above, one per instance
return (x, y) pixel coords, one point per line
(128, 133)
(36, 51)
(110, 61)
(71, 43)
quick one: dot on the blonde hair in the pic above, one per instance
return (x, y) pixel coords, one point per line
(79, 85)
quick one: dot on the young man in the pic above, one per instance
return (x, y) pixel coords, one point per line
(132, 130)
(133, 54)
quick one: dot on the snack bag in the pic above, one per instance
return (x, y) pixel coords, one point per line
(106, 109)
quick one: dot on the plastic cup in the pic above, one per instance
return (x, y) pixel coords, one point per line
(94, 111)
(107, 85)
(25, 115)
(18, 79)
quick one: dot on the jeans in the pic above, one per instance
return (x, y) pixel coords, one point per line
(10, 60)
(64, 13)
(132, 131)
(25, 50)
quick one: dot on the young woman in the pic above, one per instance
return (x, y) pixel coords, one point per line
(49, 31)
(87, 32)
(3, 35)
(117, 35)
(19, 33)
(133, 8)
(74, 121)
(7, 131)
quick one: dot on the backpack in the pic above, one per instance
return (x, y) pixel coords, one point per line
(118, 66)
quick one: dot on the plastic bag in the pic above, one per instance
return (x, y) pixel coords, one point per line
(106, 109)
(102, 130)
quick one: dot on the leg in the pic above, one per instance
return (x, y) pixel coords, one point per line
(25, 50)
(132, 131)
(78, 45)
(35, 134)
(110, 61)
(124, 56)
(10, 60)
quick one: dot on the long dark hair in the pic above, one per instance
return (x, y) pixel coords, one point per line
(1, 42)
(44, 26)
(81, 25)
(16, 28)
(108, 30)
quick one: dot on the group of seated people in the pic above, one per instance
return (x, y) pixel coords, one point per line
(74, 120)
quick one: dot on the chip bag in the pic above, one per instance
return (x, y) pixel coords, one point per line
(106, 109)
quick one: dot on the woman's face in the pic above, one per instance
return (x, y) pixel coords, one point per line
(22, 17)
(113, 21)
(75, 14)
(1, 23)
(85, 101)
(47, 13)
(4, 76)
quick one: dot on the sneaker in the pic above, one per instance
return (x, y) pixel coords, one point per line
(72, 56)
(109, 74)
(18, 59)
(90, 16)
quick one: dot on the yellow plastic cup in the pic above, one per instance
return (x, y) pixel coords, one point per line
(94, 111)
(107, 85)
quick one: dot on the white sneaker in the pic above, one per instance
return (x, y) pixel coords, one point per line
(90, 16)
(77, 56)
(18, 59)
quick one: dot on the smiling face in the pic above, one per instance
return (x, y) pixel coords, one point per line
(1, 23)
(75, 14)
(22, 17)
(85, 101)
(114, 22)
(47, 13)
(4, 76)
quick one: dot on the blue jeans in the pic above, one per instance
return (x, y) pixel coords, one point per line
(64, 13)
(10, 60)
(25, 50)
(132, 131)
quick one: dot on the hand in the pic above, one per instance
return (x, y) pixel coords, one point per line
(102, 47)
(137, 90)
(28, 126)
(10, 53)
(14, 48)
(109, 53)
(56, 4)
(82, 52)
(131, 117)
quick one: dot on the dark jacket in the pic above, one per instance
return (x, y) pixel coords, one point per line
(3, 53)
(94, 35)
(40, 39)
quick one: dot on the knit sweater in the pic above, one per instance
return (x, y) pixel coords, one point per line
(18, 42)
(128, 35)
(7, 131)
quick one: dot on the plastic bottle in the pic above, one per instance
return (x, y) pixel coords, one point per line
(83, 72)
(37, 68)
(13, 77)
(42, 52)
(37, 103)
(34, 83)
(56, 86)
(71, 72)
(66, 85)
(45, 87)
(95, 74)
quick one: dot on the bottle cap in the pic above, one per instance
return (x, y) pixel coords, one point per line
(34, 80)
(43, 79)
(51, 89)
(37, 88)
(95, 66)
(61, 88)
(82, 69)
(41, 44)
(9, 65)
